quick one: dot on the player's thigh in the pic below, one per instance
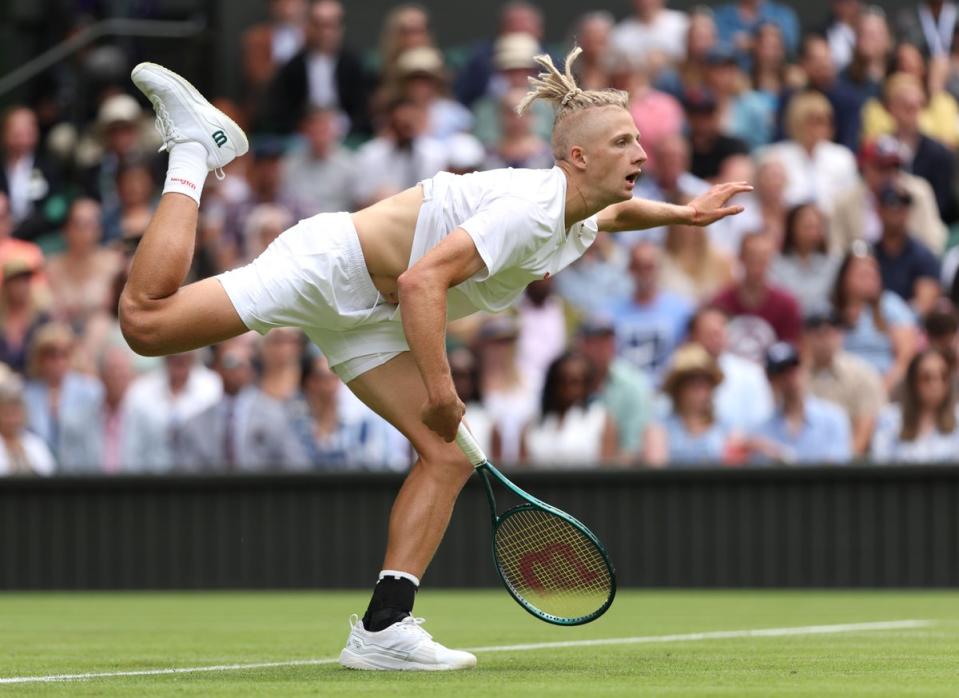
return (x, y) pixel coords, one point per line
(396, 392)
(197, 315)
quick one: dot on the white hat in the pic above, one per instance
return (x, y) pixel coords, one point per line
(423, 59)
(515, 51)
(464, 152)
(118, 109)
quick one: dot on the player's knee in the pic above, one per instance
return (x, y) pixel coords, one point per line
(139, 327)
(447, 463)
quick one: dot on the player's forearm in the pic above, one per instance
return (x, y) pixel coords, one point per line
(639, 214)
(423, 303)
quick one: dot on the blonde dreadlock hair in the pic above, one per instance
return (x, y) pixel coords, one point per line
(561, 90)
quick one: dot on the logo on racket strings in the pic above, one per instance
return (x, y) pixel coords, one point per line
(535, 565)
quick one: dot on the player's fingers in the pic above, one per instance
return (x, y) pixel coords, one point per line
(728, 211)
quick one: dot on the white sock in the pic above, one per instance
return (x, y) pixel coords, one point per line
(187, 170)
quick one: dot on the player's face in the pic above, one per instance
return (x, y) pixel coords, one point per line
(615, 159)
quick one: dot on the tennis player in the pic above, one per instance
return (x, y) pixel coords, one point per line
(374, 290)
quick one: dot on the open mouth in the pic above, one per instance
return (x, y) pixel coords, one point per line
(632, 177)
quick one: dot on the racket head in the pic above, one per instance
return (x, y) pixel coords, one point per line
(552, 565)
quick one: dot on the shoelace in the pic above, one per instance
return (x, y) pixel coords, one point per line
(411, 624)
(168, 131)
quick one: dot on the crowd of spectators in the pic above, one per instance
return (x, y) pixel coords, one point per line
(820, 326)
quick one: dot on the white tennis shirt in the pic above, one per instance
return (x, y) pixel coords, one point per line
(516, 219)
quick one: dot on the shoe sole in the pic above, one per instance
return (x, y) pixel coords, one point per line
(351, 660)
(194, 94)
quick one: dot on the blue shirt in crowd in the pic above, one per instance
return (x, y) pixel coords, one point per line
(687, 449)
(868, 342)
(647, 334)
(825, 435)
(730, 23)
(900, 272)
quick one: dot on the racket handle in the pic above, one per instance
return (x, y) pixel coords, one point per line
(468, 445)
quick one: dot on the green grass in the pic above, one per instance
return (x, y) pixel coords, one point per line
(44, 634)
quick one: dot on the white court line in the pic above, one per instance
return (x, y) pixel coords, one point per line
(649, 639)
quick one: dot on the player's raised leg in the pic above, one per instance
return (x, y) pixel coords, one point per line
(388, 637)
(157, 315)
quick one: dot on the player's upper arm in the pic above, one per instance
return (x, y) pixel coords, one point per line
(452, 261)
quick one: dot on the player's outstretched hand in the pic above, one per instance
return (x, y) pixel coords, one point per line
(443, 415)
(712, 206)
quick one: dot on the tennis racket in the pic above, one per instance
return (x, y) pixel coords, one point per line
(549, 562)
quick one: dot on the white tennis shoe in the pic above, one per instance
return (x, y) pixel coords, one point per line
(183, 114)
(403, 646)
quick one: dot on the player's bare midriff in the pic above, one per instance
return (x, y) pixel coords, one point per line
(385, 230)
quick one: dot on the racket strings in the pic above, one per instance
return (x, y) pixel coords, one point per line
(551, 564)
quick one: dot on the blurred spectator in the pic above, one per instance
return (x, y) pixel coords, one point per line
(80, 277)
(690, 73)
(770, 211)
(160, 404)
(519, 145)
(651, 324)
(880, 327)
(323, 74)
(804, 429)
(541, 316)
(942, 333)
(652, 34)
(21, 452)
(925, 157)
(691, 266)
(245, 430)
(21, 313)
(804, 266)
(513, 59)
(405, 27)
(737, 23)
(135, 194)
(422, 78)
(399, 157)
(29, 180)
(856, 214)
(598, 279)
(280, 358)
(96, 440)
(479, 76)
(744, 113)
(20, 250)
(55, 393)
(869, 59)
(761, 313)
(465, 154)
(840, 30)
(743, 400)
(923, 428)
(270, 44)
(509, 396)
(691, 434)
(464, 368)
(710, 146)
(769, 69)
(625, 391)
(318, 178)
(570, 431)
(838, 376)
(907, 266)
(930, 25)
(816, 168)
(593, 34)
(263, 226)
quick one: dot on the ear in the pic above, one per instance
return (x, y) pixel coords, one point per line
(577, 157)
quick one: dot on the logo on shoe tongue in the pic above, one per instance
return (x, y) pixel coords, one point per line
(219, 138)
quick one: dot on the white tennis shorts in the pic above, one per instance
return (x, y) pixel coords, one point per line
(314, 276)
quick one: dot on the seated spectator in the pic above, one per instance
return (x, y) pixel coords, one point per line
(650, 324)
(842, 378)
(709, 145)
(691, 434)
(80, 276)
(689, 74)
(870, 53)
(22, 251)
(942, 333)
(513, 59)
(760, 312)
(913, 26)
(880, 327)
(856, 214)
(318, 178)
(135, 194)
(769, 68)
(21, 452)
(625, 391)
(422, 79)
(541, 317)
(160, 404)
(518, 145)
(803, 429)
(20, 313)
(593, 32)
(769, 214)
(270, 44)
(652, 33)
(280, 363)
(737, 23)
(405, 27)
(597, 280)
(743, 400)
(263, 226)
(54, 393)
(907, 267)
(923, 428)
(840, 30)
(399, 157)
(323, 74)
(464, 369)
(817, 169)
(692, 267)
(745, 113)
(570, 431)
(804, 267)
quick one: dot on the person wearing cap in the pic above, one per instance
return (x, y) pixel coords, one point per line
(422, 78)
(856, 216)
(464, 154)
(907, 266)
(22, 312)
(318, 178)
(709, 145)
(625, 391)
(21, 451)
(653, 32)
(843, 378)
(11, 248)
(803, 428)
